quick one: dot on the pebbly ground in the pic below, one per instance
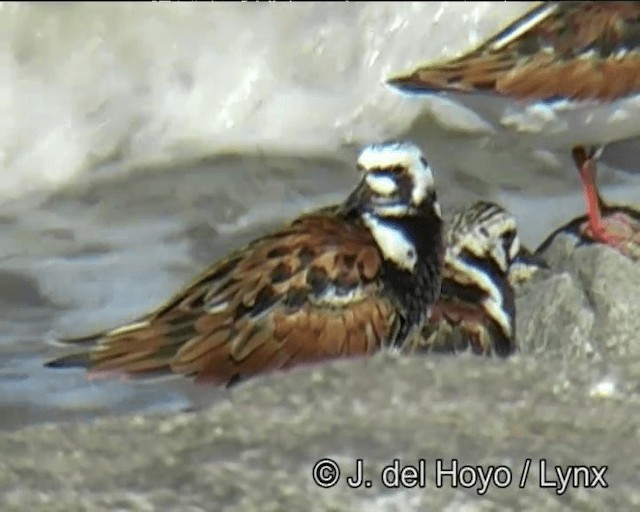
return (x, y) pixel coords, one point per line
(571, 398)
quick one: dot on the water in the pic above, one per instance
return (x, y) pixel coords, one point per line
(87, 85)
(139, 142)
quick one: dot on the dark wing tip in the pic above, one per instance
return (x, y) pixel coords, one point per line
(434, 80)
(397, 81)
(80, 340)
(79, 360)
(531, 259)
(409, 83)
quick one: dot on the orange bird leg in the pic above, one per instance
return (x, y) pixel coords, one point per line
(587, 169)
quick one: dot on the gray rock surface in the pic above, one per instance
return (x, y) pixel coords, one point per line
(571, 397)
(588, 305)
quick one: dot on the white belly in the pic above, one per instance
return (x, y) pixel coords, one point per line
(560, 125)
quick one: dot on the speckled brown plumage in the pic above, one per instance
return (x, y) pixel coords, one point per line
(577, 50)
(476, 309)
(287, 273)
(571, 73)
(319, 288)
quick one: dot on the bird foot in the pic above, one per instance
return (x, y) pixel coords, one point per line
(618, 230)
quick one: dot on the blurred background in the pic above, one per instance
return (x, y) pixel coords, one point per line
(139, 142)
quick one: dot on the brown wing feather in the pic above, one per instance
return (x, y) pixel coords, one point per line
(581, 51)
(460, 321)
(458, 327)
(301, 295)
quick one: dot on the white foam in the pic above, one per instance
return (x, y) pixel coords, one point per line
(84, 84)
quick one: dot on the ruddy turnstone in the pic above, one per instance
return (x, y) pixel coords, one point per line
(565, 77)
(345, 280)
(476, 309)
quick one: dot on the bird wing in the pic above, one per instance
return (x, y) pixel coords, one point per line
(474, 311)
(575, 50)
(307, 293)
(457, 326)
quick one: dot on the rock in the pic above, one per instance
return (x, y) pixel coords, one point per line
(256, 449)
(569, 398)
(589, 305)
(552, 316)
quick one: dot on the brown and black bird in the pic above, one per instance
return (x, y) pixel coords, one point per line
(346, 280)
(483, 261)
(565, 78)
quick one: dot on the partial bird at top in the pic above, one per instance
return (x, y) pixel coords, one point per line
(564, 77)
